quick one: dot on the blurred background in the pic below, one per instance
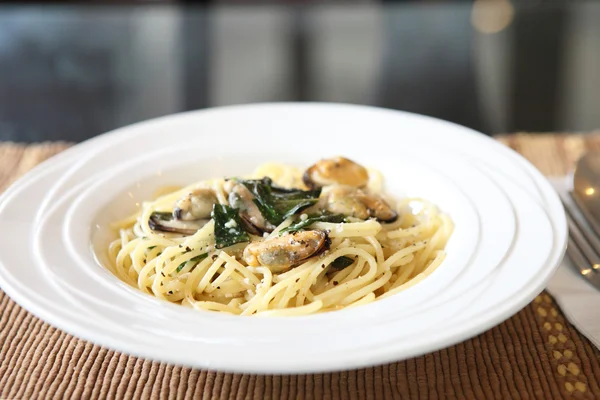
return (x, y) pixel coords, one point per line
(70, 71)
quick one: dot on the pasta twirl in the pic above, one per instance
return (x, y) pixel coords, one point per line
(208, 263)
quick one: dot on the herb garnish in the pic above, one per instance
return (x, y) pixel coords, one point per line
(162, 215)
(276, 203)
(342, 262)
(227, 233)
(325, 217)
(193, 259)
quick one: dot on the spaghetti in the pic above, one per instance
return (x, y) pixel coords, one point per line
(343, 243)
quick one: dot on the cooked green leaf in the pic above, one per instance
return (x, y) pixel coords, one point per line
(288, 209)
(199, 257)
(193, 259)
(162, 215)
(275, 203)
(342, 262)
(228, 227)
(334, 218)
(262, 191)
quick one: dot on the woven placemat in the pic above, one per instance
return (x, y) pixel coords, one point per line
(535, 354)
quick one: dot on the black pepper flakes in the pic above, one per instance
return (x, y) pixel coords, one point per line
(188, 248)
(335, 283)
(170, 292)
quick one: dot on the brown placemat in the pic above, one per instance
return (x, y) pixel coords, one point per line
(535, 354)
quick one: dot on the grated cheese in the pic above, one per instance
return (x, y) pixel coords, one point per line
(231, 224)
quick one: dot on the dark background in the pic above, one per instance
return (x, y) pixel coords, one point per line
(69, 71)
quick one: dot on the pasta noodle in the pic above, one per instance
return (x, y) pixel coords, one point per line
(189, 269)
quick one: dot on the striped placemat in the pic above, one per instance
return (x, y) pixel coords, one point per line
(535, 354)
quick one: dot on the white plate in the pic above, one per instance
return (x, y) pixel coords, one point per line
(506, 289)
(79, 215)
(263, 123)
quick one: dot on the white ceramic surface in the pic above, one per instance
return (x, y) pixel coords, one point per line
(84, 207)
(47, 266)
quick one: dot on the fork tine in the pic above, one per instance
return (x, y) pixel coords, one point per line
(579, 237)
(584, 218)
(582, 265)
(583, 211)
(577, 256)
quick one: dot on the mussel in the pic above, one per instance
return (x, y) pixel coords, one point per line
(195, 205)
(338, 170)
(283, 252)
(241, 198)
(191, 212)
(344, 200)
(354, 202)
(378, 207)
(165, 222)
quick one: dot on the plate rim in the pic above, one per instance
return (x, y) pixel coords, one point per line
(543, 180)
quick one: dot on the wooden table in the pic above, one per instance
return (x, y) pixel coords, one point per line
(535, 354)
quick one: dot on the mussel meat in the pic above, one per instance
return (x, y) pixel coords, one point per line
(338, 170)
(283, 252)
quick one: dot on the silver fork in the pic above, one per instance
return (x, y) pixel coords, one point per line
(584, 244)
